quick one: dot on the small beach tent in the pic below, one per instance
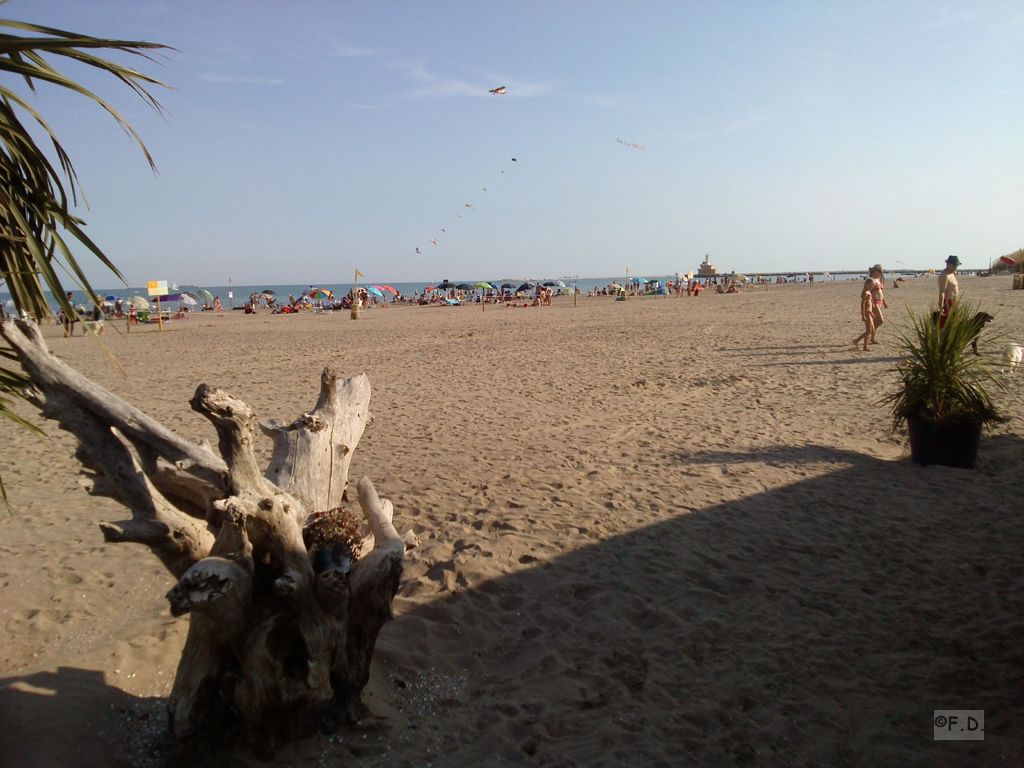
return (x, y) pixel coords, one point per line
(138, 302)
(199, 294)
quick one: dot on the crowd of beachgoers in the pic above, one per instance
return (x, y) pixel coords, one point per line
(137, 309)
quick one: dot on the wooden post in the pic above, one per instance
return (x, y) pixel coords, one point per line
(159, 316)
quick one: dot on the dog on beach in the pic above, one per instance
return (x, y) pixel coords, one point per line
(1012, 356)
(979, 321)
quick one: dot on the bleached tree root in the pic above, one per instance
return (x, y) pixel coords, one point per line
(285, 605)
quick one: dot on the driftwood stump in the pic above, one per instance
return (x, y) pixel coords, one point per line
(286, 592)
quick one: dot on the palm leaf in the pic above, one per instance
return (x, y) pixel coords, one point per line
(35, 212)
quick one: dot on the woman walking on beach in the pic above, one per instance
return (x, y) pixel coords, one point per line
(872, 300)
(875, 286)
(867, 317)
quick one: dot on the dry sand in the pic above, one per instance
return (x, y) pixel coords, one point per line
(654, 532)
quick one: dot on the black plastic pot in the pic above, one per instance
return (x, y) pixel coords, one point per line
(949, 443)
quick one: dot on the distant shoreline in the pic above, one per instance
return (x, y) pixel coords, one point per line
(242, 292)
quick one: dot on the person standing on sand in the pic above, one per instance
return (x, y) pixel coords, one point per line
(68, 321)
(874, 286)
(867, 316)
(949, 289)
(872, 300)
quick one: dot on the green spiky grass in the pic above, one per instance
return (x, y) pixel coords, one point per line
(942, 379)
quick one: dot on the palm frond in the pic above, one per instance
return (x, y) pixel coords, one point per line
(35, 197)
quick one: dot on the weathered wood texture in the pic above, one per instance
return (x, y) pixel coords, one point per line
(282, 631)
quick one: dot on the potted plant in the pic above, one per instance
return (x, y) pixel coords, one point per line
(945, 393)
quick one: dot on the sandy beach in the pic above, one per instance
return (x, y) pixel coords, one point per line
(658, 532)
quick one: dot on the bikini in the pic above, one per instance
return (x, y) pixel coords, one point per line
(876, 292)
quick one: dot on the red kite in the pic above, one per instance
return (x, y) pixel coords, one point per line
(499, 91)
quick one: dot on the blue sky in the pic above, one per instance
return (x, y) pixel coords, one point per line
(303, 140)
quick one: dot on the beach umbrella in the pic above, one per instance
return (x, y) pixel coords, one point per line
(111, 297)
(525, 287)
(138, 302)
(1007, 260)
(202, 294)
(390, 289)
(484, 285)
(320, 293)
(374, 290)
(268, 292)
(464, 287)
(187, 300)
(554, 284)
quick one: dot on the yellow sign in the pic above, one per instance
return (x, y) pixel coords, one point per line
(156, 287)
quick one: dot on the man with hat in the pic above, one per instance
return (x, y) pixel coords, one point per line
(949, 288)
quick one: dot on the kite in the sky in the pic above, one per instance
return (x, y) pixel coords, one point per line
(499, 91)
(443, 229)
(418, 250)
(630, 144)
(513, 159)
(469, 205)
(484, 189)
(433, 241)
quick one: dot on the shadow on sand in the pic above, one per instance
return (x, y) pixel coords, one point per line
(815, 624)
(819, 623)
(72, 717)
